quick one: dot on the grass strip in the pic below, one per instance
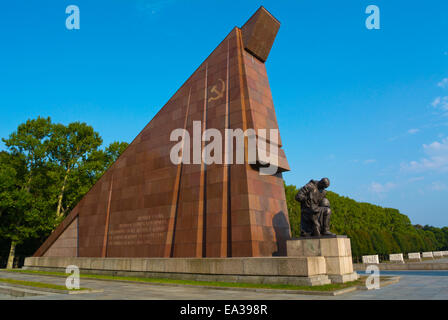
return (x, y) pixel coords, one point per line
(326, 287)
(38, 284)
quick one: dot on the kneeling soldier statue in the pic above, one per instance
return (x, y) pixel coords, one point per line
(315, 209)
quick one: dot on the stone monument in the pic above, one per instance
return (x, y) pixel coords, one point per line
(146, 206)
(315, 236)
(148, 216)
(315, 209)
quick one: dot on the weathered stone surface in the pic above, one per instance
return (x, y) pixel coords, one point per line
(396, 258)
(340, 247)
(290, 280)
(259, 33)
(316, 266)
(66, 244)
(339, 265)
(336, 251)
(414, 256)
(323, 246)
(303, 247)
(427, 255)
(343, 278)
(372, 259)
(261, 266)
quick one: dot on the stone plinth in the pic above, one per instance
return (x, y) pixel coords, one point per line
(372, 259)
(438, 254)
(414, 256)
(427, 255)
(269, 270)
(335, 250)
(396, 258)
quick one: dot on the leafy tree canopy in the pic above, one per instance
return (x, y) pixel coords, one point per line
(46, 170)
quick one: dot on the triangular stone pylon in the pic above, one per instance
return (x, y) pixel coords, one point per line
(147, 206)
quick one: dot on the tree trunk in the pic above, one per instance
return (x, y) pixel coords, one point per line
(12, 254)
(58, 210)
(61, 195)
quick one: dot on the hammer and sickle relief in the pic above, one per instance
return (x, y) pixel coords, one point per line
(219, 93)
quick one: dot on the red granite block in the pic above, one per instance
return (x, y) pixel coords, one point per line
(244, 249)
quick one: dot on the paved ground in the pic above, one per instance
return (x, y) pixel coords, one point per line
(413, 285)
(435, 261)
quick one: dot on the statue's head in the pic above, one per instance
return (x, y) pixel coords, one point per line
(325, 203)
(323, 183)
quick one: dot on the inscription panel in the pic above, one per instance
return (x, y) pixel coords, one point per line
(150, 229)
(396, 257)
(370, 259)
(414, 256)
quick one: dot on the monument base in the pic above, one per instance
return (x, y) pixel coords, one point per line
(343, 278)
(301, 271)
(336, 251)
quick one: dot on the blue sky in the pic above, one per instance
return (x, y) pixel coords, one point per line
(367, 108)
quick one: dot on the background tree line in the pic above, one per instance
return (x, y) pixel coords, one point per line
(45, 171)
(372, 229)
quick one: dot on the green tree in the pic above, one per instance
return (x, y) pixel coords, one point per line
(70, 146)
(293, 210)
(25, 172)
(48, 168)
(88, 171)
(31, 142)
(23, 214)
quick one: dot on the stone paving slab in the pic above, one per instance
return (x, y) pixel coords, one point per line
(438, 260)
(411, 286)
(430, 265)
